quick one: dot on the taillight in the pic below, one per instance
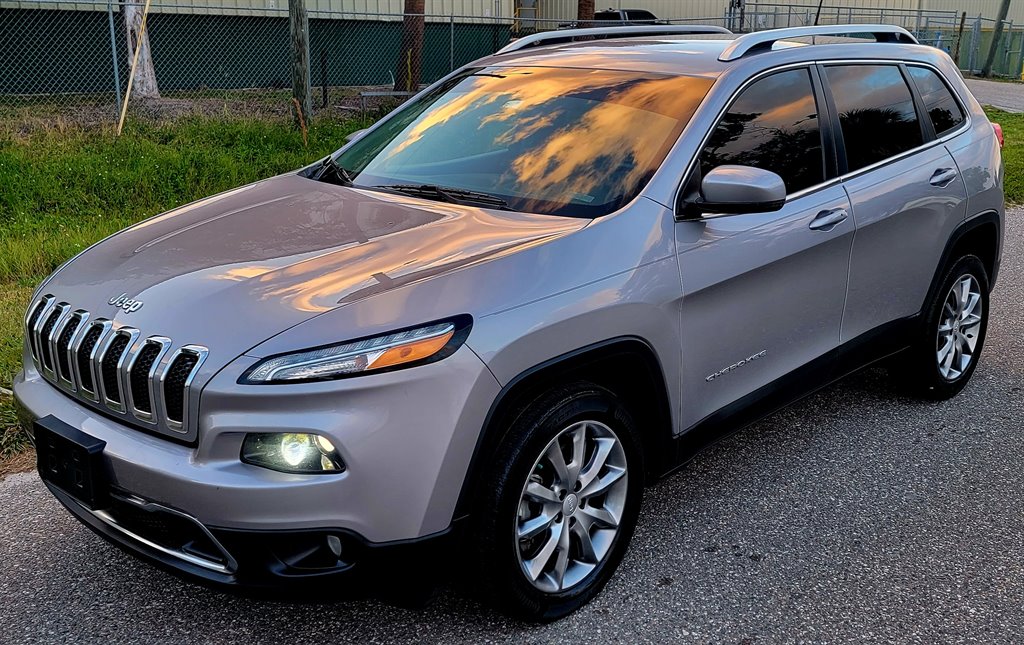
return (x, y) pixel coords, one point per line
(999, 133)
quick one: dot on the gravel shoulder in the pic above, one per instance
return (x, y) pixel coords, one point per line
(855, 515)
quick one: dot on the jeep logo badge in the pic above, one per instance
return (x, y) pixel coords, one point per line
(126, 303)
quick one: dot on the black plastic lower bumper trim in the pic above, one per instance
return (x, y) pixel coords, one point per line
(310, 564)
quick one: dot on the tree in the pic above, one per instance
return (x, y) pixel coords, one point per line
(302, 94)
(410, 58)
(144, 79)
(997, 37)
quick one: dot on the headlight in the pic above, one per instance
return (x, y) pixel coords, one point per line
(406, 348)
(292, 452)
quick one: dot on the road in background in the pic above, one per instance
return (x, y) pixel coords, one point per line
(855, 515)
(1000, 94)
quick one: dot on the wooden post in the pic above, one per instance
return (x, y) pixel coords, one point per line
(298, 22)
(585, 12)
(959, 38)
(410, 58)
(997, 36)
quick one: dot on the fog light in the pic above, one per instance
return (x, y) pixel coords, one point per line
(292, 452)
(334, 544)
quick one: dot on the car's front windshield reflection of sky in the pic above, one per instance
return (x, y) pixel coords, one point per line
(550, 140)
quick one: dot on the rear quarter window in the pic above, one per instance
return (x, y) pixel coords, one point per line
(943, 110)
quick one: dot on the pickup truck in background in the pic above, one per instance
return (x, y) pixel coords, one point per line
(610, 17)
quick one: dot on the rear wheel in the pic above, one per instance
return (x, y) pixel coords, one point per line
(946, 350)
(558, 511)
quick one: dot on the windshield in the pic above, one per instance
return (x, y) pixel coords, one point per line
(558, 141)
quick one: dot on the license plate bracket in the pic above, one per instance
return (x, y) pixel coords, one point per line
(71, 460)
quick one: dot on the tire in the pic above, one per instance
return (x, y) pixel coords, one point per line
(927, 371)
(506, 509)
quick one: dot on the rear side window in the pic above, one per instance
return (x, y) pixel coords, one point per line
(607, 15)
(773, 125)
(876, 112)
(943, 109)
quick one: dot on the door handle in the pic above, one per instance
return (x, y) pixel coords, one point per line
(943, 177)
(828, 220)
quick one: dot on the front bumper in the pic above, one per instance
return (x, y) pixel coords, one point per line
(406, 438)
(300, 564)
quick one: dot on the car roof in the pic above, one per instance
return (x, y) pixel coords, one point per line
(693, 55)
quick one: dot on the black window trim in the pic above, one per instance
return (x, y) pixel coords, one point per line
(830, 144)
(845, 173)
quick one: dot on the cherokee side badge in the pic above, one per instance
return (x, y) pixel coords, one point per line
(736, 365)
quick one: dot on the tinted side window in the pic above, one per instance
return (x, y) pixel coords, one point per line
(772, 125)
(943, 109)
(876, 111)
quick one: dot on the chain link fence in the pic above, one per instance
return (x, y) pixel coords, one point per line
(72, 60)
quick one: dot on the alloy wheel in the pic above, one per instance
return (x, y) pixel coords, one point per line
(959, 327)
(571, 506)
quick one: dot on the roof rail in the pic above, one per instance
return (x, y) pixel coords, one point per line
(568, 35)
(763, 40)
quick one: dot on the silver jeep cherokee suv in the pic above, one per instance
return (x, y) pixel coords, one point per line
(489, 320)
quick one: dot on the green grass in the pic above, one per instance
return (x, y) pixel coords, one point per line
(1013, 152)
(64, 189)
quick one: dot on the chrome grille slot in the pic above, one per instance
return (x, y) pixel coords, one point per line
(63, 347)
(142, 380)
(45, 350)
(139, 380)
(179, 374)
(84, 358)
(109, 372)
(33, 321)
(141, 373)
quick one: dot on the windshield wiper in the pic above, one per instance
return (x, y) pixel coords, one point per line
(448, 194)
(329, 171)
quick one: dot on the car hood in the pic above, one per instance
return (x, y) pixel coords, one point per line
(232, 270)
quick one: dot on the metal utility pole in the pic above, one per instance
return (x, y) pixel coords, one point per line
(997, 36)
(298, 22)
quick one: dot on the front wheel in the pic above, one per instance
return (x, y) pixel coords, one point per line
(946, 350)
(557, 512)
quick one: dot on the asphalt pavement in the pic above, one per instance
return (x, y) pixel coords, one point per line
(855, 515)
(1000, 94)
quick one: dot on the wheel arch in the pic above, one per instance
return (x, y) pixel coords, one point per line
(628, 366)
(980, 236)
